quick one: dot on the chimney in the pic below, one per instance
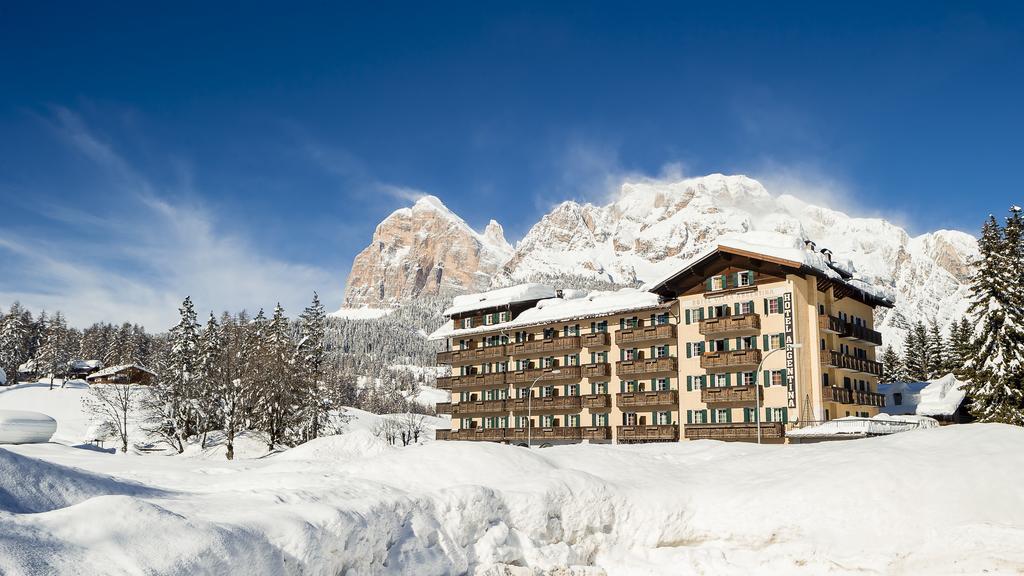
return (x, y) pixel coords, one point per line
(827, 253)
(809, 245)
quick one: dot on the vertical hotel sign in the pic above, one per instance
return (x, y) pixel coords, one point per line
(787, 318)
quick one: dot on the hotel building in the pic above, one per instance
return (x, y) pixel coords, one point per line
(706, 352)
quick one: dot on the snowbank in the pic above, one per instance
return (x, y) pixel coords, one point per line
(878, 425)
(343, 447)
(25, 427)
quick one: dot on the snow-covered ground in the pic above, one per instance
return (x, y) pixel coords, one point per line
(940, 501)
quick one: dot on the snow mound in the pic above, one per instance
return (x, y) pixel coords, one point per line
(25, 427)
(28, 485)
(341, 448)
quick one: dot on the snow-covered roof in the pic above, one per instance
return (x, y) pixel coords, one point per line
(120, 368)
(788, 249)
(856, 427)
(500, 297)
(573, 305)
(85, 364)
(939, 397)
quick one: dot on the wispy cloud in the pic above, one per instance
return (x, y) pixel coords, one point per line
(355, 174)
(153, 251)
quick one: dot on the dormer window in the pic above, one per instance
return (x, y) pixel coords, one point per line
(718, 283)
(467, 322)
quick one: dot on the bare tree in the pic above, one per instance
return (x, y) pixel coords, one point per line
(112, 405)
(387, 429)
(410, 428)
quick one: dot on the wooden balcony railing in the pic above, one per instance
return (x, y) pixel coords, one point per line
(849, 396)
(596, 340)
(597, 432)
(442, 434)
(749, 358)
(472, 355)
(485, 434)
(599, 370)
(540, 433)
(655, 433)
(545, 374)
(849, 330)
(835, 359)
(471, 381)
(479, 407)
(546, 404)
(711, 395)
(734, 431)
(645, 334)
(597, 401)
(649, 399)
(645, 366)
(730, 324)
(547, 345)
(443, 408)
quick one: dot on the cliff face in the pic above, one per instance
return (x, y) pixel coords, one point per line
(651, 228)
(425, 249)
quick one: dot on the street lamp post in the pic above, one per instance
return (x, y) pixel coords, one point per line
(757, 387)
(529, 407)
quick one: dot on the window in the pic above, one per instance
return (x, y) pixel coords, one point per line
(777, 341)
(745, 279)
(467, 322)
(504, 316)
(572, 420)
(550, 333)
(661, 319)
(599, 419)
(747, 378)
(522, 392)
(717, 283)
(549, 362)
(745, 307)
(630, 386)
(721, 380)
(572, 390)
(661, 384)
(629, 354)
(663, 418)
(821, 309)
(597, 327)
(774, 305)
(629, 418)
(661, 351)
(897, 398)
(626, 323)
(777, 377)
(779, 415)
(599, 387)
(723, 415)
(746, 343)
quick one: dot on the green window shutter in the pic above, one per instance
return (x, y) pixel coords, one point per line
(653, 355)
(779, 299)
(728, 416)
(766, 306)
(766, 340)
(725, 345)
(739, 343)
(711, 313)
(767, 378)
(784, 377)
(785, 415)
(728, 379)
(689, 416)
(689, 350)
(704, 381)
(710, 285)
(687, 315)
(754, 374)
(736, 308)
(750, 306)
(689, 383)
(714, 416)
(767, 414)
(700, 312)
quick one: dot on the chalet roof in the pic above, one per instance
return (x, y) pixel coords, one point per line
(783, 250)
(118, 369)
(530, 292)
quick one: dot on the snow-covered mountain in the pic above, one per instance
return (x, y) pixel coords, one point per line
(424, 250)
(654, 226)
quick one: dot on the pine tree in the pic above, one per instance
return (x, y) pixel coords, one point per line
(210, 366)
(892, 365)
(958, 348)
(277, 401)
(14, 341)
(936, 351)
(915, 353)
(310, 360)
(995, 370)
(169, 409)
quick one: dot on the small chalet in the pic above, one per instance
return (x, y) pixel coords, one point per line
(943, 399)
(123, 374)
(81, 369)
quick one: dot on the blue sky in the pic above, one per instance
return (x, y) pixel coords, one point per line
(243, 153)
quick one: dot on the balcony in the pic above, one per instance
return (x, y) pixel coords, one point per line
(645, 366)
(834, 359)
(544, 374)
(726, 325)
(594, 401)
(540, 433)
(472, 355)
(849, 396)
(485, 434)
(642, 334)
(546, 404)
(545, 346)
(456, 383)
(651, 399)
(596, 432)
(746, 394)
(737, 431)
(849, 330)
(656, 433)
(735, 359)
(443, 408)
(596, 340)
(480, 407)
(599, 370)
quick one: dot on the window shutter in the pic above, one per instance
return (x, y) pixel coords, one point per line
(767, 378)
(704, 381)
(779, 299)
(767, 342)
(710, 285)
(687, 315)
(728, 379)
(728, 415)
(766, 306)
(785, 415)
(714, 416)
(725, 345)
(784, 381)
(767, 414)
(689, 416)
(689, 383)
(754, 376)
(689, 347)
(750, 306)
(736, 308)
(653, 355)
(700, 312)
(739, 343)
(711, 312)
